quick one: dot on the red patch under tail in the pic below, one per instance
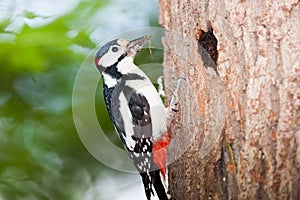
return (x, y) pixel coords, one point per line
(160, 153)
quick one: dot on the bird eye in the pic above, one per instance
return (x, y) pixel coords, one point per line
(115, 49)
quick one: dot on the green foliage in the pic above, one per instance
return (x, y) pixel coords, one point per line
(41, 154)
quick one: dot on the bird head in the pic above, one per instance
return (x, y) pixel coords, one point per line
(114, 51)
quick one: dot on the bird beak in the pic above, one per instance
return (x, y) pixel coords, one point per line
(134, 46)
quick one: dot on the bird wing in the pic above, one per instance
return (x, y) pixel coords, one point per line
(142, 128)
(141, 119)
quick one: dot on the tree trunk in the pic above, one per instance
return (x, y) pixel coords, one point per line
(237, 133)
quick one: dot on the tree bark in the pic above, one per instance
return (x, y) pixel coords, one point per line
(237, 134)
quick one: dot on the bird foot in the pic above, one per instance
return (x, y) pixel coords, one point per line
(174, 99)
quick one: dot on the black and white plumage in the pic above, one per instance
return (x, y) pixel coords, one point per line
(135, 109)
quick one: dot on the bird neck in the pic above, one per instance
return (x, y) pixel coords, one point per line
(113, 74)
(109, 80)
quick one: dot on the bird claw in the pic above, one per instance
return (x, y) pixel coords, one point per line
(174, 99)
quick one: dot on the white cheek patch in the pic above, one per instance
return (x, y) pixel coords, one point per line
(110, 58)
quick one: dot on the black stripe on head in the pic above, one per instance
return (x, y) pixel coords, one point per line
(103, 50)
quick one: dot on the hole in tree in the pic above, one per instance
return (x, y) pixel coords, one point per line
(207, 45)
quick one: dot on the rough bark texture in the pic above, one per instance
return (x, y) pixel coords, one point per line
(240, 127)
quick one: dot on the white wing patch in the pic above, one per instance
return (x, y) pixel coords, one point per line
(127, 119)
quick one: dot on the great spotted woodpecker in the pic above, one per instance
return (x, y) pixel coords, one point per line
(136, 111)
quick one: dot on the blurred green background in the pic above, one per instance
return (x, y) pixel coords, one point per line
(42, 45)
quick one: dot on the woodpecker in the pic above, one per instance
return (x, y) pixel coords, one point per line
(137, 112)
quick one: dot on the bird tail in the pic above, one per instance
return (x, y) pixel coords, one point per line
(155, 181)
(160, 186)
(159, 175)
(154, 185)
